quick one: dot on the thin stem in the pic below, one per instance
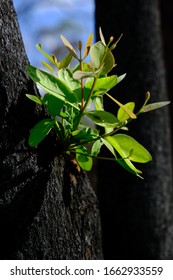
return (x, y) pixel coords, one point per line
(82, 81)
(97, 157)
(86, 104)
(89, 97)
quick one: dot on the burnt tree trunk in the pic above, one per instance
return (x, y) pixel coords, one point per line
(137, 215)
(47, 211)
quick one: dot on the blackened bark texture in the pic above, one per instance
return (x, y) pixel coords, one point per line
(137, 215)
(166, 9)
(47, 211)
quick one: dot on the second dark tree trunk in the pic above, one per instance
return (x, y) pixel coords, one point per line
(137, 215)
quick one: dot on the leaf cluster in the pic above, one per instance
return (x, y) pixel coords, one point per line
(73, 94)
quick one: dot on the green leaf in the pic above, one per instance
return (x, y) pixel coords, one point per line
(122, 115)
(35, 98)
(129, 112)
(88, 45)
(83, 159)
(45, 64)
(65, 62)
(102, 85)
(52, 85)
(101, 36)
(102, 118)
(124, 144)
(96, 147)
(49, 57)
(98, 102)
(120, 78)
(82, 74)
(86, 133)
(69, 46)
(154, 106)
(54, 105)
(132, 169)
(39, 131)
(66, 77)
(129, 149)
(109, 146)
(101, 56)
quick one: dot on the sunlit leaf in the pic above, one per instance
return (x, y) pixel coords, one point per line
(120, 78)
(122, 115)
(66, 77)
(69, 46)
(102, 85)
(154, 106)
(102, 118)
(48, 66)
(101, 56)
(88, 45)
(82, 74)
(39, 131)
(109, 146)
(123, 153)
(129, 167)
(34, 98)
(65, 61)
(49, 57)
(52, 85)
(83, 159)
(127, 146)
(96, 147)
(98, 102)
(129, 112)
(101, 36)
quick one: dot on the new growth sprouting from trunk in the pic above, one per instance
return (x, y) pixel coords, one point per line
(48, 210)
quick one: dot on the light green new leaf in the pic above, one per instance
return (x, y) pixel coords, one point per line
(127, 146)
(95, 150)
(102, 85)
(39, 131)
(154, 106)
(129, 167)
(102, 118)
(88, 45)
(52, 85)
(124, 153)
(66, 77)
(65, 61)
(82, 74)
(49, 57)
(122, 115)
(129, 112)
(101, 56)
(69, 46)
(109, 146)
(83, 159)
(45, 64)
(98, 102)
(35, 98)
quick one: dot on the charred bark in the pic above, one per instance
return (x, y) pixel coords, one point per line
(137, 215)
(47, 210)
